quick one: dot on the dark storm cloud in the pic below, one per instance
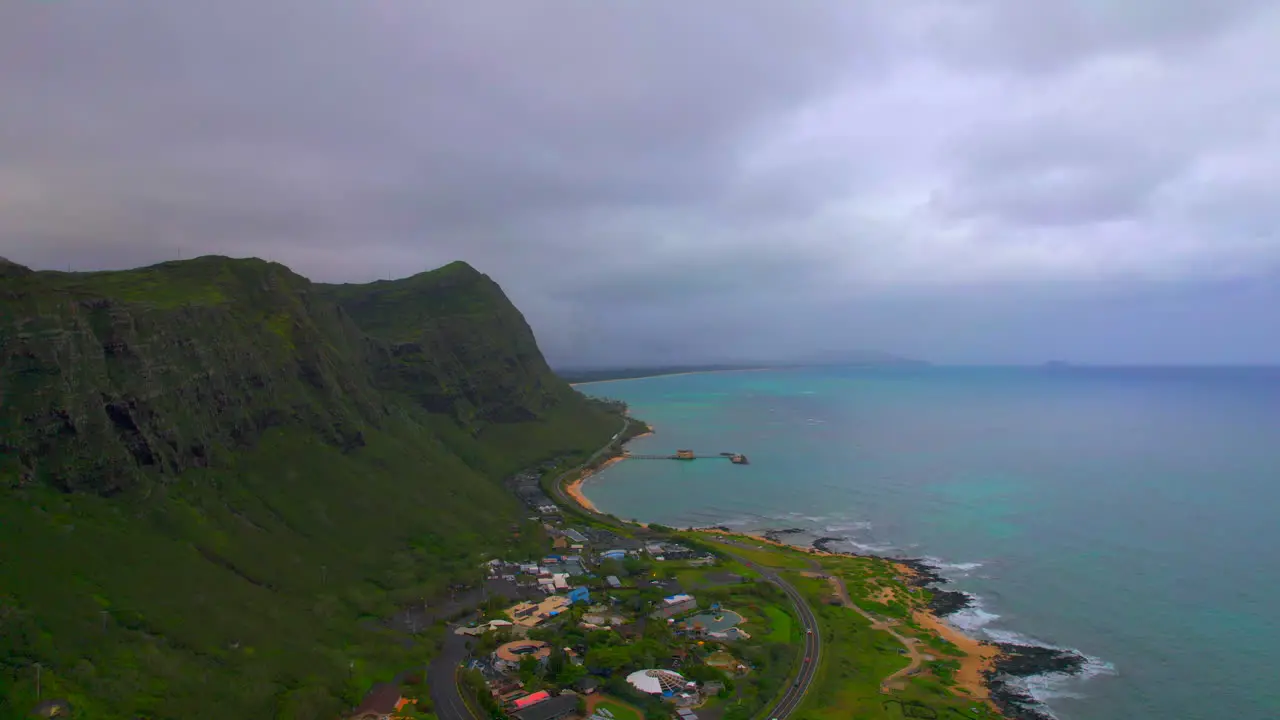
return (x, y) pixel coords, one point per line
(778, 180)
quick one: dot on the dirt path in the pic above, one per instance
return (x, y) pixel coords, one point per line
(894, 681)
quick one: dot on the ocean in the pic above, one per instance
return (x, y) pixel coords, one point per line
(1129, 514)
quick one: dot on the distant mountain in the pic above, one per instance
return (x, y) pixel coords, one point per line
(598, 374)
(582, 375)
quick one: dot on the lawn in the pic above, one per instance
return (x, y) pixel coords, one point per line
(779, 624)
(617, 708)
(768, 556)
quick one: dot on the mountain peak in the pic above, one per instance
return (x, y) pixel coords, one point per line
(8, 268)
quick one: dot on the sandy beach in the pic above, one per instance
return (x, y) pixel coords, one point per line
(978, 656)
(574, 489)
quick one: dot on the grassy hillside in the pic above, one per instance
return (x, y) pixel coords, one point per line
(215, 477)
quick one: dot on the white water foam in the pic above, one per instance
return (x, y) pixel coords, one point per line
(866, 548)
(972, 620)
(976, 621)
(847, 527)
(1049, 686)
(945, 567)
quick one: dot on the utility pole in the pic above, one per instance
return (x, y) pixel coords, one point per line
(38, 682)
(104, 621)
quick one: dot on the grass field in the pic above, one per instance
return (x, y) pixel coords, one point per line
(855, 658)
(769, 556)
(779, 624)
(619, 709)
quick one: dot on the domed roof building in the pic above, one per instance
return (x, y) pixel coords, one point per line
(658, 682)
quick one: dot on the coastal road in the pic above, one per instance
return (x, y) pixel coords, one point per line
(794, 694)
(557, 486)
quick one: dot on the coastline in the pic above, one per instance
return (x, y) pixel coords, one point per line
(979, 662)
(673, 374)
(988, 672)
(574, 488)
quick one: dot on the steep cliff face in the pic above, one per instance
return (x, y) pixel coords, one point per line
(105, 376)
(453, 342)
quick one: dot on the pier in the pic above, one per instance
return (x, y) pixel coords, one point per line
(735, 458)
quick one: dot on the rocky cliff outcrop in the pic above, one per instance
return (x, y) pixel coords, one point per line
(452, 341)
(109, 378)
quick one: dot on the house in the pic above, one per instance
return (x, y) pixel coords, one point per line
(581, 594)
(529, 701)
(675, 605)
(383, 702)
(613, 581)
(586, 685)
(673, 551)
(616, 554)
(553, 709)
(575, 536)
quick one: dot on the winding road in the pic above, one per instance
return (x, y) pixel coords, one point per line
(557, 486)
(442, 678)
(794, 694)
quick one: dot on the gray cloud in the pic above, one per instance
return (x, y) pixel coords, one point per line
(778, 181)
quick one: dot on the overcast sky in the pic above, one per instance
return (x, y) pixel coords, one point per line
(651, 181)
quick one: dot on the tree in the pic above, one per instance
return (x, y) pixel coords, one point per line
(570, 674)
(529, 667)
(556, 663)
(612, 567)
(608, 658)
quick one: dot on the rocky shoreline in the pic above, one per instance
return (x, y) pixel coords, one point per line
(1020, 661)
(1013, 662)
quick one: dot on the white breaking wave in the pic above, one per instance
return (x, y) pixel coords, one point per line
(973, 619)
(867, 548)
(1049, 686)
(847, 527)
(946, 567)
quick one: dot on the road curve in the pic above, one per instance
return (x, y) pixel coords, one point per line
(794, 694)
(557, 486)
(442, 678)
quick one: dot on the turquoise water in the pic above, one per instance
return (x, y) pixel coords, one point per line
(1130, 514)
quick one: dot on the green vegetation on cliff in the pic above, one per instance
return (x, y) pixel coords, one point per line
(216, 477)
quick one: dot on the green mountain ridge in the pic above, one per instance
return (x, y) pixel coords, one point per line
(210, 470)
